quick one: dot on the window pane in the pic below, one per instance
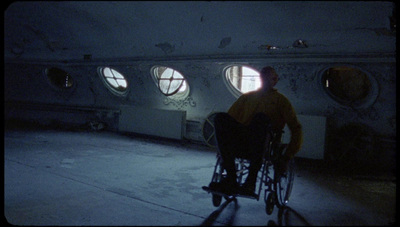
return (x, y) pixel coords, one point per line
(107, 72)
(114, 80)
(122, 83)
(167, 74)
(243, 78)
(346, 84)
(175, 85)
(183, 88)
(59, 77)
(170, 81)
(249, 72)
(116, 74)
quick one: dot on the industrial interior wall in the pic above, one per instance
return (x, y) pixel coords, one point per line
(30, 96)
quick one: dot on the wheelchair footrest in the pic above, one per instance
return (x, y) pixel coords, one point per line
(207, 189)
(247, 196)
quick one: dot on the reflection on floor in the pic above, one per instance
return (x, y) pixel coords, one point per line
(104, 178)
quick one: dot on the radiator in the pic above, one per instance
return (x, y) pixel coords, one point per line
(154, 122)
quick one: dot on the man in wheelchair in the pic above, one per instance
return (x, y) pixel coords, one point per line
(242, 131)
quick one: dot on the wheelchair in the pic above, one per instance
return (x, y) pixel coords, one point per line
(277, 187)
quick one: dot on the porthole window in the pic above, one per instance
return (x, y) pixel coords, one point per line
(242, 79)
(113, 80)
(170, 82)
(348, 85)
(59, 78)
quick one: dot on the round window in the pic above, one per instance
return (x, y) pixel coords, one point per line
(170, 82)
(347, 85)
(113, 80)
(242, 79)
(59, 78)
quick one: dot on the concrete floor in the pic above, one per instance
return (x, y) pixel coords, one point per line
(104, 178)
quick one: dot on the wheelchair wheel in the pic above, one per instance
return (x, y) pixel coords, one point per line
(218, 175)
(270, 203)
(284, 184)
(216, 199)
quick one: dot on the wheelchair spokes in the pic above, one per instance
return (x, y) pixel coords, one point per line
(277, 187)
(284, 185)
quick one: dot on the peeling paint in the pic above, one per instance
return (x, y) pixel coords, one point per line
(225, 42)
(300, 43)
(166, 47)
(206, 83)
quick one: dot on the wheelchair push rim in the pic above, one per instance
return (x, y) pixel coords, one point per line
(283, 185)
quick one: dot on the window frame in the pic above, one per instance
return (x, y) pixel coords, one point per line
(53, 83)
(176, 94)
(112, 88)
(366, 101)
(232, 88)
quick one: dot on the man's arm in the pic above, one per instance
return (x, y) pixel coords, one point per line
(296, 138)
(237, 109)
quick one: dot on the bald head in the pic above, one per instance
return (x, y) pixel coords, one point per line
(268, 77)
(267, 70)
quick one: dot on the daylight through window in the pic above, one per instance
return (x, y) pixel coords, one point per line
(170, 82)
(244, 79)
(114, 80)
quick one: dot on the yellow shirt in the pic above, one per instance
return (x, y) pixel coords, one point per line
(277, 107)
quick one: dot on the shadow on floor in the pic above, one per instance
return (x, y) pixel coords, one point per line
(214, 215)
(286, 216)
(289, 217)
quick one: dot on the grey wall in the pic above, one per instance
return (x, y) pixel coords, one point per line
(107, 29)
(300, 82)
(199, 39)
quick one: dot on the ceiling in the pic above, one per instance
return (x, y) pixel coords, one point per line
(64, 30)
